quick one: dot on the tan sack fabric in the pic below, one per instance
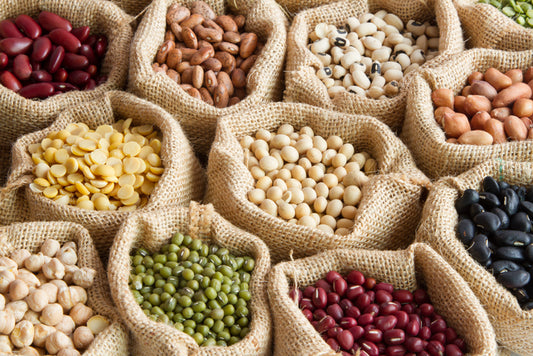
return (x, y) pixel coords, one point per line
(513, 326)
(486, 26)
(426, 139)
(302, 84)
(19, 116)
(133, 7)
(198, 119)
(390, 207)
(182, 181)
(113, 341)
(418, 266)
(153, 229)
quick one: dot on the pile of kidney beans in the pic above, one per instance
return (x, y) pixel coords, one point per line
(358, 316)
(46, 57)
(495, 227)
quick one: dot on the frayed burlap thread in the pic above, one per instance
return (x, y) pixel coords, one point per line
(198, 119)
(302, 84)
(19, 116)
(182, 181)
(426, 139)
(151, 230)
(114, 340)
(388, 212)
(418, 266)
(513, 326)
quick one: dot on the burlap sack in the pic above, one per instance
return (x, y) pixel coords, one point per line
(197, 118)
(153, 229)
(388, 212)
(133, 7)
(182, 181)
(426, 139)
(19, 116)
(302, 84)
(418, 266)
(513, 326)
(486, 26)
(113, 341)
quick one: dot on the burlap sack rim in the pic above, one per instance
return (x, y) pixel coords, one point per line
(203, 228)
(280, 271)
(77, 233)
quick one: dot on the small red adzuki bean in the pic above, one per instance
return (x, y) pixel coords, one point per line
(374, 335)
(345, 339)
(332, 276)
(8, 80)
(319, 314)
(403, 319)
(335, 311)
(333, 298)
(15, 46)
(345, 304)
(383, 296)
(308, 292)
(334, 331)
(347, 322)
(66, 39)
(320, 298)
(353, 312)
(340, 286)
(356, 277)
(333, 344)
(385, 323)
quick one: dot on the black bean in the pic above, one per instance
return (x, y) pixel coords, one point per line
(521, 295)
(521, 192)
(466, 230)
(479, 249)
(491, 185)
(488, 263)
(510, 201)
(515, 254)
(528, 306)
(527, 207)
(488, 222)
(514, 279)
(504, 218)
(470, 196)
(503, 185)
(489, 200)
(511, 238)
(475, 209)
(529, 194)
(504, 266)
(520, 221)
(529, 252)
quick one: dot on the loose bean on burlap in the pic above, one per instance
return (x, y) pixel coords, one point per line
(486, 26)
(302, 84)
(19, 116)
(427, 140)
(418, 266)
(182, 181)
(151, 230)
(113, 341)
(513, 326)
(390, 207)
(198, 119)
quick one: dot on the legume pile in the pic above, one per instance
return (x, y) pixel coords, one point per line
(201, 289)
(306, 179)
(520, 11)
(495, 226)
(357, 315)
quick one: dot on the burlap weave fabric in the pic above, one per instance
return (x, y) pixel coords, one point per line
(513, 326)
(19, 116)
(391, 205)
(182, 181)
(198, 119)
(113, 341)
(151, 230)
(418, 266)
(133, 7)
(426, 139)
(302, 84)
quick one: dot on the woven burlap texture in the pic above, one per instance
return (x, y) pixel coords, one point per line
(378, 224)
(182, 181)
(133, 7)
(486, 26)
(513, 326)
(418, 266)
(302, 84)
(19, 116)
(113, 341)
(426, 139)
(198, 119)
(153, 229)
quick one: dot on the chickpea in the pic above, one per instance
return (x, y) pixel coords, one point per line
(7, 322)
(41, 332)
(50, 247)
(5, 344)
(2, 302)
(18, 290)
(68, 352)
(52, 314)
(32, 317)
(29, 278)
(34, 262)
(83, 337)
(67, 255)
(66, 325)
(18, 308)
(84, 277)
(19, 256)
(22, 334)
(80, 313)
(37, 300)
(8, 262)
(54, 269)
(57, 341)
(6, 277)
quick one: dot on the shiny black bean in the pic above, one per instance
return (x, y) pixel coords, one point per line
(475, 209)
(491, 185)
(510, 201)
(504, 266)
(521, 295)
(479, 249)
(529, 252)
(466, 230)
(520, 221)
(470, 196)
(488, 263)
(514, 279)
(515, 254)
(504, 218)
(503, 185)
(527, 207)
(529, 194)
(521, 192)
(511, 238)
(489, 200)
(487, 222)
(528, 306)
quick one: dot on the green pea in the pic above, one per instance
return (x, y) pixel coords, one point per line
(194, 285)
(169, 288)
(148, 261)
(225, 288)
(221, 343)
(235, 289)
(241, 311)
(182, 284)
(235, 330)
(163, 318)
(188, 331)
(215, 260)
(173, 280)
(211, 266)
(146, 295)
(227, 280)
(165, 296)
(218, 326)
(521, 20)
(233, 340)
(137, 296)
(164, 248)
(183, 254)
(232, 299)
(213, 249)
(152, 317)
(196, 268)
(187, 313)
(165, 272)
(159, 283)
(187, 240)
(177, 271)
(224, 334)
(157, 311)
(184, 301)
(146, 312)
(160, 258)
(186, 264)
(177, 239)
(209, 322)
(187, 274)
(199, 296)
(136, 286)
(222, 298)
(213, 304)
(249, 264)
(169, 304)
(154, 299)
(243, 322)
(146, 305)
(198, 317)
(202, 329)
(215, 284)
(179, 326)
(204, 250)
(210, 292)
(240, 262)
(199, 338)
(202, 261)
(178, 318)
(137, 260)
(170, 314)
(194, 257)
(205, 282)
(241, 303)
(209, 342)
(228, 320)
(245, 277)
(244, 332)
(140, 269)
(178, 308)
(142, 252)
(222, 251)
(158, 291)
(196, 244)
(508, 11)
(198, 306)
(228, 309)
(149, 271)
(157, 267)
(245, 294)
(189, 323)
(217, 314)
(187, 291)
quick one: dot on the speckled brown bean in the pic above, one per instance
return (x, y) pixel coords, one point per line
(213, 25)
(206, 96)
(440, 112)
(201, 55)
(227, 61)
(466, 90)
(169, 36)
(233, 100)
(212, 64)
(238, 78)
(165, 48)
(515, 75)
(189, 37)
(210, 81)
(177, 13)
(186, 86)
(248, 44)
(500, 113)
(248, 63)
(229, 47)
(202, 44)
(197, 77)
(208, 34)
(193, 20)
(187, 53)
(221, 96)
(175, 76)
(527, 121)
(238, 61)
(157, 68)
(232, 37)
(240, 21)
(183, 66)
(194, 93)
(200, 7)
(174, 58)
(186, 76)
(177, 31)
(240, 93)
(223, 78)
(227, 23)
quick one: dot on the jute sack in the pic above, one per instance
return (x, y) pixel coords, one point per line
(486, 26)
(302, 84)
(19, 116)
(133, 7)
(390, 207)
(182, 181)
(513, 326)
(418, 266)
(151, 230)
(426, 139)
(114, 339)
(198, 119)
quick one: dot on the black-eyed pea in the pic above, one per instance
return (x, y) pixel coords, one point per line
(336, 89)
(412, 67)
(351, 23)
(321, 46)
(392, 88)
(360, 79)
(365, 29)
(433, 43)
(325, 228)
(350, 58)
(432, 31)
(415, 27)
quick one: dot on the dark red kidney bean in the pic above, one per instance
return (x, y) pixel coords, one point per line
(389, 308)
(101, 79)
(423, 353)
(403, 319)
(38, 90)
(385, 323)
(413, 328)
(296, 294)
(81, 33)
(333, 344)
(4, 59)
(402, 296)
(320, 298)
(8, 80)
(450, 335)
(370, 283)
(357, 332)
(438, 326)
(371, 309)
(322, 283)
(15, 46)
(370, 348)
(326, 323)
(307, 303)
(41, 76)
(332, 276)
(365, 319)
(334, 331)
(408, 308)
(319, 314)
(42, 47)
(335, 311)
(100, 47)
(435, 348)
(440, 337)
(50, 21)
(28, 26)
(66, 39)
(374, 335)
(9, 29)
(384, 286)
(353, 312)
(308, 291)
(87, 51)
(347, 322)
(383, 296)
(414, 344)
(397, 350)
(354, 291)
(424, 333)
(345, 304)
(356, 277)
(91, 40)
(61, 75)
(333, 298)
(426, 309)
(394, 337)
(344, 353)
(75, 61)
(63, 86)
(345, 339)
(56, 59)
(308, 314)
(340, 286)
(460, 343)
(453, 350)
(22, 67)
(362, 301)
